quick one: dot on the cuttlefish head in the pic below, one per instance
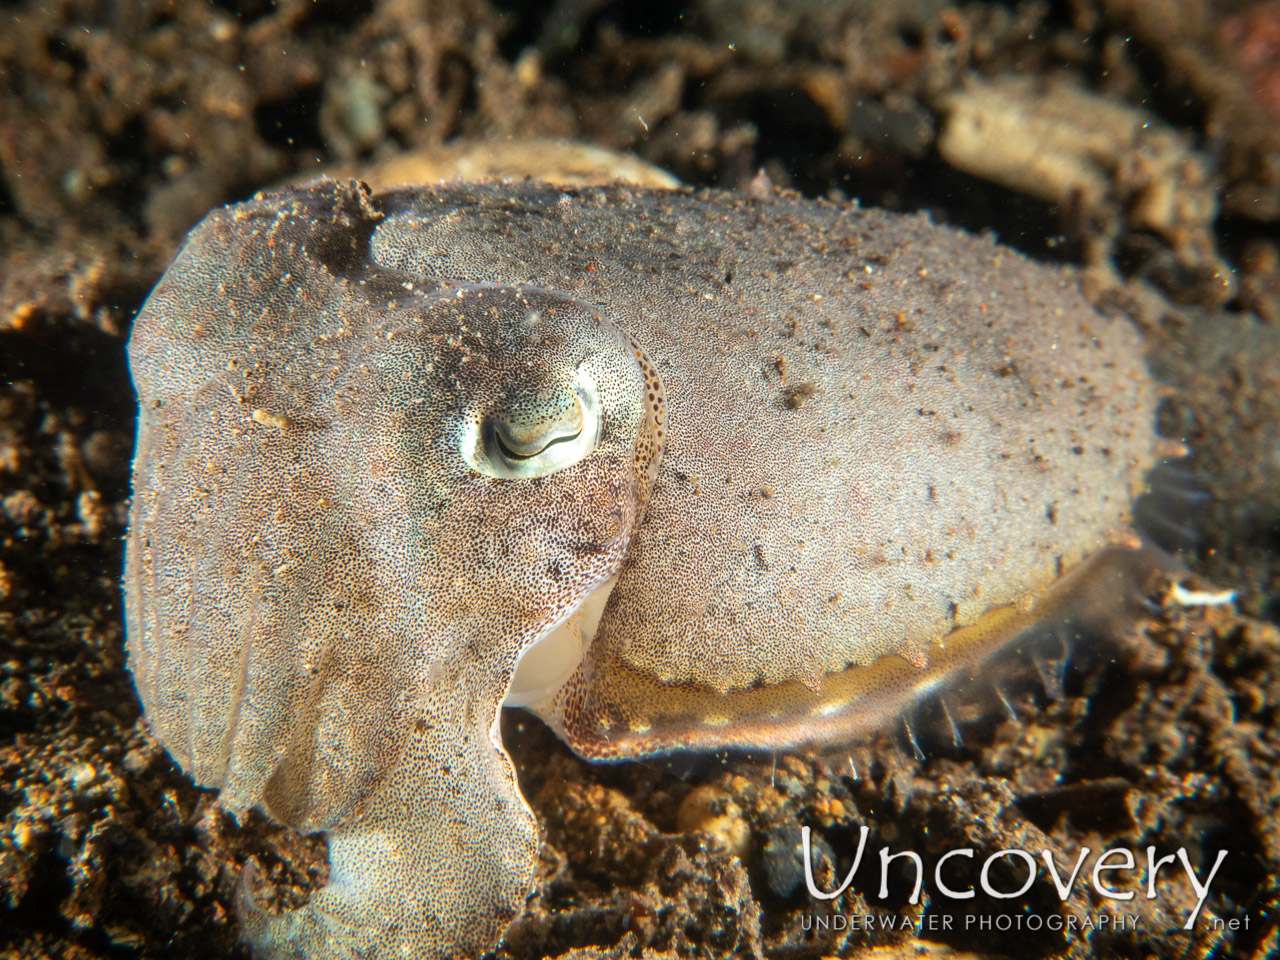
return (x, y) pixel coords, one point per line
(516, 437)
(362, 491)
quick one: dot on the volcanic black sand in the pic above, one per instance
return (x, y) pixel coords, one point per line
(1137, 143)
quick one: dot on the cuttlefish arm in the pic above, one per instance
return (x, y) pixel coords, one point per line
(439, 861)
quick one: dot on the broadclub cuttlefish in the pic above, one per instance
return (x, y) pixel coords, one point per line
(674, 470)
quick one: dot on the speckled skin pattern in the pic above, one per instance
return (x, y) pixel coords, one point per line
(824, 438)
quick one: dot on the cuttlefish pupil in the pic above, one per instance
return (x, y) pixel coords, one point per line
(519, 441)
(538, 438)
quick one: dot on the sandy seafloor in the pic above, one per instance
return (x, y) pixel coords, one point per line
(1135, 142)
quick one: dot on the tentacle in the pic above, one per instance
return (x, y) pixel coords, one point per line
(437, 865)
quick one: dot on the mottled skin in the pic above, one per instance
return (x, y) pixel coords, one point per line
(874, 433)
(325, 602)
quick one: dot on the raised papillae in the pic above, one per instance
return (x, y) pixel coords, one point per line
(675, 470)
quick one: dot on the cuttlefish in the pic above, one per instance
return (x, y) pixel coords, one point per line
(675, 470)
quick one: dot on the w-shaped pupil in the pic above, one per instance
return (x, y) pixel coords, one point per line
(515, 450)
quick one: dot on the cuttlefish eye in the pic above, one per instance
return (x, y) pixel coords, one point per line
(535, 433)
